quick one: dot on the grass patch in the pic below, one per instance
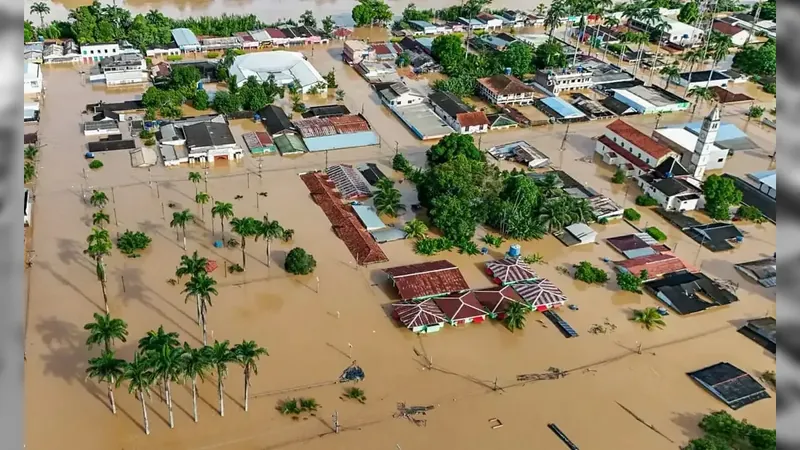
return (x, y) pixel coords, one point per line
(494, 241)
(174, 57)
(631, 214)
(656, 234)
(646, 200)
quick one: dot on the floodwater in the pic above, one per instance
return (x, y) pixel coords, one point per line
(310, 323)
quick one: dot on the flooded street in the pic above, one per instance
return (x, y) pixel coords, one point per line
(308, 333)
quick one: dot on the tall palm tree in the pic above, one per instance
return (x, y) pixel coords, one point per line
(659, 29)
(42, 9)
(167, 363)
(515, 316)
(610, 22)
(99, 245)
(195, 178)
(700, 94)
(154, 340)
(224, 211)
(100, 219)
(99, 199)
(195, 364)
(247, 355)
(139, 375)
(179, 221)
(636, 38)
(555, 214)
(549, 186)
(649, 318)
(387, 201)
(269, 230)
(221, 355)
(245, 227)
(580, 209)
(105, 330)
(107, 368)
(719, 48)
(554, 16)
(191, 265)
(201, 198)
(201, 286)
(670, 72)
(415, 229)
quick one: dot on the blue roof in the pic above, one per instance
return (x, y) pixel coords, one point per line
(471, 21)
(425, 42)
(184, 37)
(422, 23)
(564, 109)
(340, 141)
(388, 235)
(369, 217)
(727, 131)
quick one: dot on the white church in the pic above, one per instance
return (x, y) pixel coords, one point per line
(696, 151)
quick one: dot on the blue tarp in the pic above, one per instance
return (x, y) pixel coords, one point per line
(340, 141)
(564, 109)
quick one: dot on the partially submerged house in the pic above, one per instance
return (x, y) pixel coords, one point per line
(656, 265)
(419, 317)
(510, 270)
(763, 271)
(634, 152)
(458, 115)
(576, 234)
(496, 300)
(211, 142)
(540, 294)
(636, 245)
(762, 331)
(348, 181)
(426, 280)
(687, 293)
(259, 142)
(461, 308)
(672, 185)
(731, 385)
(522, 152)
(504, 89)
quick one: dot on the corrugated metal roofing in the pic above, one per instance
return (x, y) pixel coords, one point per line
(349, 124)
(564, 109)
(427, 279)
(419, 314)
(315, 127)
(540, 294)
(348, 181)
(369, 217)
(185, 37)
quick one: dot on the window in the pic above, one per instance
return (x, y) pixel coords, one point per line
(721, 160)
(91, 52)
(106, 50)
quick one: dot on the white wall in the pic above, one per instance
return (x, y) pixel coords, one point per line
(639, 153)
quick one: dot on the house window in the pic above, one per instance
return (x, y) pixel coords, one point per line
(91, 52)
(106, 50)
(721, 160)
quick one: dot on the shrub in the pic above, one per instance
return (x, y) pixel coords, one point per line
(431, 246)
(619, 177)
(771, 88)
(602, 220)
(494, 241)
(212, 55)
(401, 164)
(95, 164)
(468, 248)
(656, 234)
(355, 393)
(148, 61)
(533, 259)
(630, 282)
(646, 200)
(755, 112)
(747, 212)
(299, 262)
(145, 134)
(631, 214)
(235, 268)
(588, 273)
(174, 57)
(288, 234)
(769, 377)
(130, 243)
(151, 141)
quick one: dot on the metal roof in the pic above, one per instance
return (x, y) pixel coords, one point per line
(185, 37)
(540, 293)
(348, 181)
(562, 108)
(369, 217)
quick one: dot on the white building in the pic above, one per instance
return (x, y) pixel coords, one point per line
(121, 69)
(163, 52)
(211, 141)
(672, 186)
(473, 24)
(96, 52)
(101, 128)
(185, 39)
(505, 89)
(33, 81)
(697, 152)
(459, 116)
(65, 52)
(766, 182)
(285, 67)
(677, 32)
(650, 99)
(398, 94)
(631, 150)
(492, 22)
(28, 208)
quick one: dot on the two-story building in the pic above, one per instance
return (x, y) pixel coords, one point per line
(398, 94)
(459, 116)
(560, 80)
(505, 90)
(125, 68)
(354, 52)
(33, 81)
(492, 22)
(211, 141)
(672, 186)
(634, 152)
(97, 51)
(473, 24)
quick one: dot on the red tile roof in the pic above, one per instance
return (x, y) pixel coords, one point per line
(616, 148)
(244, 36)
(656, 265)
(427, 279)
(381, 49)
(639, 139)
(418, 314)
(342, 32)
(472, 119)
(726, 28)
(496, 299)
(275, 33)
(540, 294)
(459, 307)
(505, 85)
(345, 224)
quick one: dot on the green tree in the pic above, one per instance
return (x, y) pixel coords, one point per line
(550, 55)
(619, 176)
(195, 364)
(107, 368)
(649, 318)
(449, 51)
(758, 60)
(269, 230)
(191, 265)
(330, 79)
(247, 355)
(630, 282)
(184, 76)
(200, 100)
(98, 199)
(689, 13)
(99, 246)
(245, 227)
(130, 243)
(400, 163)
(720, 193)
(588, 273)
(371, 12)
(167, 365)
(769, 10)
(518, 56)
(195, 178)
(299, 262)
(154, 340)
(388, 201)
(100, 219)
(29, 32)
(452, 145)
(201, 198)
(403, 60)
(253, 96)
(220, 355)
(515, 316)
(140, 377)
(555, 15)
(41, 9)
(700, 94)
(415, 229)
(328, 24)
(670, 72)
(201, 286)
(755, 112)
(307, 19)
(226, 103)
(224, 211)
(105, 330)
(179, 221)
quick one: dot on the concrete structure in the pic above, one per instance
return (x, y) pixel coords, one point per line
(704, 78)
(32, 52)
(560, 109)
(673, 194)
(398, 94)
(458, 115)
(186, 40)
(211, 141)
(103, 127)
(473, 24)
(422, 121)
(285, 67)
(423, 27)
(354, 52)
(248, 42)
(60, 53)
(220, 43)
(560, 80)
(522, 152)
(650, 99)
(604, 208)
(633, 151)
(378, 72)
(704, 147)
(33, 81)
(163, 52)
(766, 182)
(30, 112)
(677, 33)
(505, 89)
(580, 234)
(96, 52)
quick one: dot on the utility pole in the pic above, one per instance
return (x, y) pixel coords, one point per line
(753, 25)
(326, 160)
(336, 422)
(563, 147)
(149, 177)
(396, 148)
(658, 119)
(206, 179)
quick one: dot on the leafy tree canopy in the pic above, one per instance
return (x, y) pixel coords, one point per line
(720, 193)
(299, 262)
(689, 13)
(549, 55)
(371, 12)
(452, 145)
(760, 61)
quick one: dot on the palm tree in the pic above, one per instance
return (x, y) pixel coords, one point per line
(660, 28)
(554, 16)
(221, 355)
(195, 364)
(99, 245)
(139, 375)
(247, 355)
(610, 22)
(549, 186)
(108, 369)
(195, 178)
(201, 286)
(201, 198)
(100, 219)
(580, 209)
(99, 199)
(224, 211)
(640, 39)
(649, 318)
(388, 201)
(179, 221)
(719, 47)
(41, 9)
(29, 171)
(670, 72)
(154, 340)
(555, 214)
(167, 364)
(105, 330)
(191, 265)
(269, 230)
(415, 229)
(515, 316)
(700, 94)
(31, 152)
(245, 227)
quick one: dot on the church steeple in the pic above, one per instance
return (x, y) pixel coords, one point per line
(705, 142)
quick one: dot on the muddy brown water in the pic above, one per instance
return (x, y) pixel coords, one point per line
(308, 332)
